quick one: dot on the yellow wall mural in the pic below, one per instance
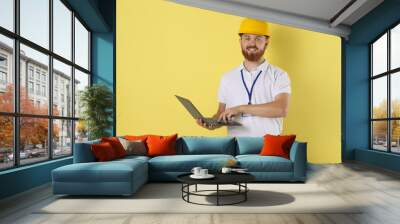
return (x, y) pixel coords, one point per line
(165, 49)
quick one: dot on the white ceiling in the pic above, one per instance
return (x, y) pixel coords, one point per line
(320, 9)
(326, 16)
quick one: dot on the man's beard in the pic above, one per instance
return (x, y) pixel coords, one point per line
(253, 56)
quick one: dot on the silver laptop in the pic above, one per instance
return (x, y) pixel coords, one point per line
(197, 115)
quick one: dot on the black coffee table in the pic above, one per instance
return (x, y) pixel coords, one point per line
(238, 179)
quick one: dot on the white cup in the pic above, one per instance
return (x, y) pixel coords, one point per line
(203, 172)
(226, 170)
(196, 170)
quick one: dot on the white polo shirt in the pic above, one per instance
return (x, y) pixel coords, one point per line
(232, 92)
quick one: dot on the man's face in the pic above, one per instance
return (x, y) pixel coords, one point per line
(253, 46)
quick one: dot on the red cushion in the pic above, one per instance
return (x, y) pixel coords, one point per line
(116, 145)
(161, 145)
(103, 151)
(277, 145)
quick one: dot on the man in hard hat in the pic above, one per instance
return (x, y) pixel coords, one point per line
(255, 94)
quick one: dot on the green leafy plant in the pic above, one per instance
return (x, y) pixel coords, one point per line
(97, 103)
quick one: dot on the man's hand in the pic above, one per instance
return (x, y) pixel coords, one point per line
(204, 125)
(229, 113)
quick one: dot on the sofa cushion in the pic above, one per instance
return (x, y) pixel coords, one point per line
(116, 145)
(185, 163)
(83, 152)
(257, 163)
(103, 151)
(133, 158)
(136, 137)
(206, 145)
(277, 145)
(161, 145)
(134, 147)
(249, 145)
(111, 171)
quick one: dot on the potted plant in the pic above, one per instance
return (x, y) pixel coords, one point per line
(97, 103)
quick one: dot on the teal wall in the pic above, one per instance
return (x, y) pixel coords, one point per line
(24, 178)
(103, 63)
(99, 15)
(356, 86)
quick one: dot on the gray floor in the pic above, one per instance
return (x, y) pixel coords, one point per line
(377, 188)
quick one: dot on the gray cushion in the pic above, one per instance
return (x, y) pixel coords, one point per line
(134, 147)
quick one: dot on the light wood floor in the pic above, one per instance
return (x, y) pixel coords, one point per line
(377, 188)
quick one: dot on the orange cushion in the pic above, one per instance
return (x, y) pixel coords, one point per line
(103, 151)
(116, 145)
(161, 145)
(277, 145)
(135, 138)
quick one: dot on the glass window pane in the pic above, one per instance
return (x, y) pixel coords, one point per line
(7, 14)
(6, 74)
(81, 45)
(62, 89)
(35, 21)
(379, 97)
(395, 129)
(379, 135)
(6, 142)
(81, 131)
(379, 55)
(62, 138)
(395, 94)
(33, 140)
(34, 79)
(395, 47)
(81, 81)
(62, 29)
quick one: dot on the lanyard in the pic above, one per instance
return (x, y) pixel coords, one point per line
(249, 93)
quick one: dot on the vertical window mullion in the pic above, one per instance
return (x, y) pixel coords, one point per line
(389, 106)
(73, 82)
(16, 84)
(371, 141)
(50, 87)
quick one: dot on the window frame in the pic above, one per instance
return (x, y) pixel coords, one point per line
(388, 74)
(16, 114)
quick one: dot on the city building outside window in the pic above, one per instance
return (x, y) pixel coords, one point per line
(385, 91)
(34, 75)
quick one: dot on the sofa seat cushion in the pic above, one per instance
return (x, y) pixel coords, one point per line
(191, 145)
(112, 171)
(185, 163)
(133, 158)
(257, 163)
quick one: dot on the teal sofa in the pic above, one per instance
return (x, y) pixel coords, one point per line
(125, 176)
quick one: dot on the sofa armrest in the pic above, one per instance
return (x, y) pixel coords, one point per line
(83, 152)
(298, 155)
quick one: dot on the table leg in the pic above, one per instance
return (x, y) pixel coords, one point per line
(196, 188)
(188, 190)
(245, 193)
(217, 194)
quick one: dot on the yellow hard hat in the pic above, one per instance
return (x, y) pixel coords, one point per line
(253, 26)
